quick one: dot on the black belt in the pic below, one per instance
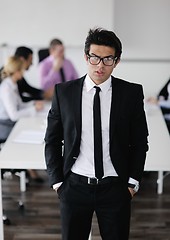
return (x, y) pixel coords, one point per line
(94, 181)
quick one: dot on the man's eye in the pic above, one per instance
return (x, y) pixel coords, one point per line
(95, 58)
(108, 59)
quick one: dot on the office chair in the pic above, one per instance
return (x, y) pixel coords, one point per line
(42, 54)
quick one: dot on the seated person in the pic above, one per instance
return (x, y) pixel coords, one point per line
(164, 103)
(164, 92)
(12, 108)
(163, 100)
(55, 68)
(26, 91)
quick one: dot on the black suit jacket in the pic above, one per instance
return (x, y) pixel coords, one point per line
(128, 130)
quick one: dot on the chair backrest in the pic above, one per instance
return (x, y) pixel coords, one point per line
(43, 53)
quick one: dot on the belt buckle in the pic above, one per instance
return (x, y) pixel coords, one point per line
(92, 181)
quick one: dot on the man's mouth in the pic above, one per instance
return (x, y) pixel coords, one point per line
(100, 72)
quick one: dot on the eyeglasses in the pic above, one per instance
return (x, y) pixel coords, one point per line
(107, 61)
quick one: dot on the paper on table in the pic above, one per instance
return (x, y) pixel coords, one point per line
(30, 136)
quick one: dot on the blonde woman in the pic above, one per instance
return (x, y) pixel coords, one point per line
(12, 107)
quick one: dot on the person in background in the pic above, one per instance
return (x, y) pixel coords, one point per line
(55, 68)
(96, 144)
(12, 108)
(164, 93)
(26, 91)
(163, 101)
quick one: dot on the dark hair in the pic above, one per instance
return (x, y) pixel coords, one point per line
(103, 37)
(23, 52)
(55, 42)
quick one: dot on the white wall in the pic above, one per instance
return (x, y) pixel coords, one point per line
(36, 22)
(152, 75)
(143, 27)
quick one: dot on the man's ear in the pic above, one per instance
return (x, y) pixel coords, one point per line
(117, 62)
(86, 58)
(22, 58)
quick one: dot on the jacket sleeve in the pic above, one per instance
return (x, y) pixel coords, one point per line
(138, 137)
(53, 142)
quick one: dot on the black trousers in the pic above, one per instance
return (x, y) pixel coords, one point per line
(111, 201)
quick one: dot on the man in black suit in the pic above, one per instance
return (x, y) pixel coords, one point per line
(96, 170)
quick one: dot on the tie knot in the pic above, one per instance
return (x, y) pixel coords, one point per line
(98, 89)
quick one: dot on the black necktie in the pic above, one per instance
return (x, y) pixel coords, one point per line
(63, 79)
(98, 150)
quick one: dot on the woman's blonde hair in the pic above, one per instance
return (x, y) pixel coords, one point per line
(12, 65)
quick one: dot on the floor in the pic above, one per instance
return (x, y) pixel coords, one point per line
(39, 219)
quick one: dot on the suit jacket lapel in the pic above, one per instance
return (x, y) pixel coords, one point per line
(115, 106)
(77, 104)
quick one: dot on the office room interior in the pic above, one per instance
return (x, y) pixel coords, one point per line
(143, 28)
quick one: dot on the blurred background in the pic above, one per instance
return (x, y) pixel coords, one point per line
(142, 26)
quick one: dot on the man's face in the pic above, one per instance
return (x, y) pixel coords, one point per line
(100, 73)
(58, 51)
(28, 62)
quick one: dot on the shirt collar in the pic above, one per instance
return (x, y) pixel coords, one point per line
(105, 86)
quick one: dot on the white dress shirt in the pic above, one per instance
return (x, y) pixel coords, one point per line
(84, 164)
(11, 105)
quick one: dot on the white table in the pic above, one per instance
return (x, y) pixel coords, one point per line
(158, 157)
(21, 155)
